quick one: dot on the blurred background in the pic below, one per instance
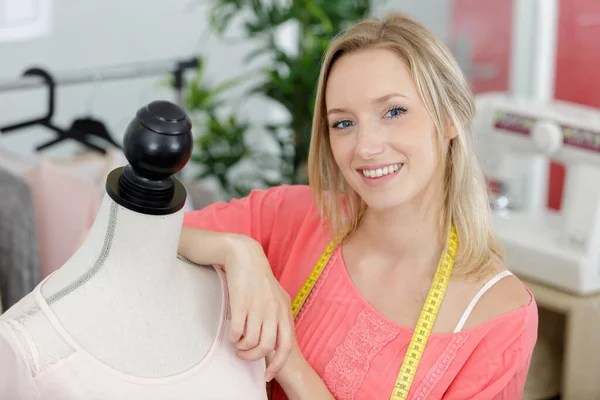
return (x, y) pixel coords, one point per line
(74, 73)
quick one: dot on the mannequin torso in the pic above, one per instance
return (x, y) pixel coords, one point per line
(142, 311)
(125, 316)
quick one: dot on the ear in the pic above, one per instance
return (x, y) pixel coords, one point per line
(451, 132)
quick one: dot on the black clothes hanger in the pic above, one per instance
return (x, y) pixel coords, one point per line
(46, 120)
(91, 126)
(94, 127)
(51, 90)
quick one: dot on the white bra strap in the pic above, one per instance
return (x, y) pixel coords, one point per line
(476, 298)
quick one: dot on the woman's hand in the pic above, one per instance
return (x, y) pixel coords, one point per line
(261, 317)
(262, 325)
(261, 320)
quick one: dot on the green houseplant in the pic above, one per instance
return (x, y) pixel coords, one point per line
(222, 144)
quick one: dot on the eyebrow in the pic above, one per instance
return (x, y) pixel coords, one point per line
(377, 100)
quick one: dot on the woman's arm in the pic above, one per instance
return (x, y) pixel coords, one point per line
(237, 236)
(208, 247)
(299, 381)
(261, 319)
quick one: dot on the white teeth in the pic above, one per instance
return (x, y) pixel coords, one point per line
(376, 173)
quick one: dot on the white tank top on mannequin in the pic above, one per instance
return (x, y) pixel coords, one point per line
(126, 318)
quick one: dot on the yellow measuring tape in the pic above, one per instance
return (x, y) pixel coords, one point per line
(426, 318)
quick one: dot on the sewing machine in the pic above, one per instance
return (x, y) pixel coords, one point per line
(516, 139)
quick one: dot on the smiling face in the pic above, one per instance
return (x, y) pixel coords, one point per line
(381, 134)
(369, 114)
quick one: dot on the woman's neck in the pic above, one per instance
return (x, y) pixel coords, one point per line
(408, 235)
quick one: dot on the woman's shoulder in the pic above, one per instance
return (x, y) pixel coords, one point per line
(500, 296)
(270, 203)
(287, 204)
(498, 342)
(268, 215)
(281, 198)
(294, 196)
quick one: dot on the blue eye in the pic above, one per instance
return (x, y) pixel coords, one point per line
(395, 112)
(342, 124)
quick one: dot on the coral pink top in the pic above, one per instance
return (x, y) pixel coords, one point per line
(354, 349)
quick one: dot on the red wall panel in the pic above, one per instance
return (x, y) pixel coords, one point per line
(578, 52)
(488, 25)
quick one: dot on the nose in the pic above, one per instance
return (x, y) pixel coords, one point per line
(368, 143)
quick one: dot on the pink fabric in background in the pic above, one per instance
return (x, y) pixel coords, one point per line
(65, 208)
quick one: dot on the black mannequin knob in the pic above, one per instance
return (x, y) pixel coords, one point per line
(157, 144)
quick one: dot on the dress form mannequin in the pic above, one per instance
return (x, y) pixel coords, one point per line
(125, 301)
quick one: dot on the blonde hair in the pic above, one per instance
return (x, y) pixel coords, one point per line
(449, 101)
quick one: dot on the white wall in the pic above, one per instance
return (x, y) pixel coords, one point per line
(435, 14)
(96, 33)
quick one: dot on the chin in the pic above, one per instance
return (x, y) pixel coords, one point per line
(381, 205)
(385, 200)
(391, 195)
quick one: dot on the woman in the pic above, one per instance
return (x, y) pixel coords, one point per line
(392, 171)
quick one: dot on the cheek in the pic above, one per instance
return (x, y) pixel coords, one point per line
(429, 154)
(422, 152)
(342, 150)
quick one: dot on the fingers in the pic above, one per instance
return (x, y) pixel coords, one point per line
(262, 327)
(252, 333)
(284, 348)
(268, 338)
(238, 325)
